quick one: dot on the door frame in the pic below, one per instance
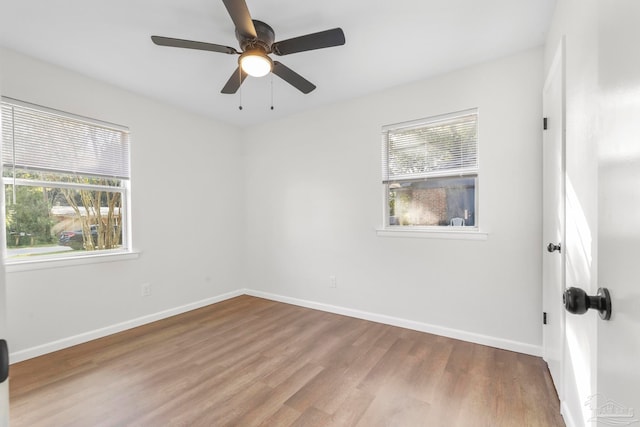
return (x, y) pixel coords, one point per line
(4, 387)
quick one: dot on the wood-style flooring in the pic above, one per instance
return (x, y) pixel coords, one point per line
(253, 362)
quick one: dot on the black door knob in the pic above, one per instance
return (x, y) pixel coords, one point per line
(552, 247)
(577, 301)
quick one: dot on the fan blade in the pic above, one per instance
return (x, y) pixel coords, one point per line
(293, 78)
(168, 41)
(328, 38)
(234, 82)
(241, 18)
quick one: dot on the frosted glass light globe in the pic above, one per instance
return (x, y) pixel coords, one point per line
(256, 64)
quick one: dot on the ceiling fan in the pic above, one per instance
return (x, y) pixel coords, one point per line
(256, 40)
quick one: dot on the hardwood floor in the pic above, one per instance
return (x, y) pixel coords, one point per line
(253, 362)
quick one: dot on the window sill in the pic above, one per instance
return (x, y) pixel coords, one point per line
(12, 266)
(423, 233)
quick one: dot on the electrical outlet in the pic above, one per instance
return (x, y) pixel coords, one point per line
(146, 289)
(332, 282)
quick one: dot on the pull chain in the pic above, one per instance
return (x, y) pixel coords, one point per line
(271, 91)
(240, 87)
(240, 90)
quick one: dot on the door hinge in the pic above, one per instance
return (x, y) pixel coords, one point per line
(544, 318)
(544, 123)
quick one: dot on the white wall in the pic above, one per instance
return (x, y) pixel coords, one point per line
(187, 213)
(314, 200)
(280, 207)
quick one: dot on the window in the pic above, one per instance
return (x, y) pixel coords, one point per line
(430, 172)
(66, 182)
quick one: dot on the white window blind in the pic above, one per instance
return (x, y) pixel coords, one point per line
(445, 145)
(45, 140)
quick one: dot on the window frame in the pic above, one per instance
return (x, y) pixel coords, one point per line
(431, 231)
(125, 250)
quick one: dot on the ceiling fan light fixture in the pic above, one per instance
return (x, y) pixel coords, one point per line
(255, 63)
(257, 41)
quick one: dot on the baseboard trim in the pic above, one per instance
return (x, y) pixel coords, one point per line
(50, 347)
(487, 340)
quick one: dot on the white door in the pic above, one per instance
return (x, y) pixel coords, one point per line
(4, 387)
(619, 212)
(553, 219)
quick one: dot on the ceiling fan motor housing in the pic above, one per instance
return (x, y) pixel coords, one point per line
(265, 38)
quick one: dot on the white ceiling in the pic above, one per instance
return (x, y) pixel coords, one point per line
(389, 42)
